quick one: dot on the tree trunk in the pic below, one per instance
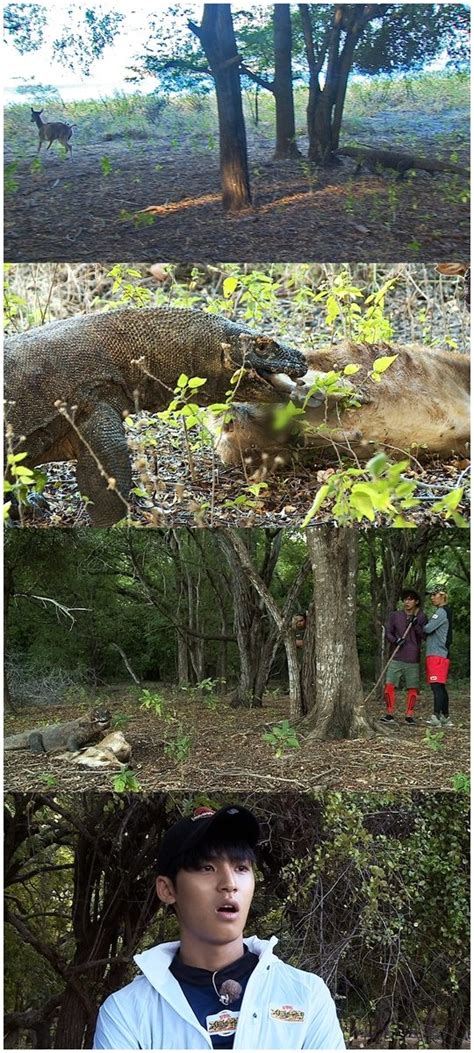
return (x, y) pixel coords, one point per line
(217, 37)
(320, 112)
(248, 572)
(190, 645)
(248, 628)
(183, 660)
(331, 682)
(72, 1021)
(285, 146)
(336, 53)
(8, 593)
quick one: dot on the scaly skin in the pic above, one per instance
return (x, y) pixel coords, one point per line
(108, 365)
(71, 735)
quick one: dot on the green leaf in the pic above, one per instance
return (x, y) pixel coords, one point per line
(362, 503)
(453, 499)
(229, 285)
(196, 382)
(377, 464)
(316, 505)
(239, 373)
(21, 472)
(351, 369)
(404, 524)
(15, 458)
(379, 365)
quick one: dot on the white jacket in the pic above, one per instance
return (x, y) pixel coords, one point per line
(153, 1013)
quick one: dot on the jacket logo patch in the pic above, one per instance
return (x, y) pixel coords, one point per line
(223, 1023)
(287, 1012)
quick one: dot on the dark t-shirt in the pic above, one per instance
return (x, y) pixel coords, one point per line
(219, 1020)
(410, 649)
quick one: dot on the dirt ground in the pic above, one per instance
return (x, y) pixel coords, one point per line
(228, 750)
(220, 496)
(62, 211)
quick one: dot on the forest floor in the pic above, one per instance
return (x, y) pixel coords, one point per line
(146, 196)
(220, 496)
(228, 751)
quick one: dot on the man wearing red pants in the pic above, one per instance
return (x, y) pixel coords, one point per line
(404, 631)
(438, 633)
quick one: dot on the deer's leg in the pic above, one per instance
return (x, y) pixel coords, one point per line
(105, 442)
(49, 144)
(39, 146)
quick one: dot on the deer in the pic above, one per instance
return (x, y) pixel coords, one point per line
(48, 132)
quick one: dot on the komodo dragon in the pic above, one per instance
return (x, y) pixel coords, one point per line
(110, 364)
(72, 735)
(399, 161)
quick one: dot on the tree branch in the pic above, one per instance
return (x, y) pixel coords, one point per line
(263, 82)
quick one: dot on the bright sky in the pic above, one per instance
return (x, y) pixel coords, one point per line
(107, 73)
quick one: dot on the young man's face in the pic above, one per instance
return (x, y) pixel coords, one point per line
(410, 604)
(438, 599)
(211, 903)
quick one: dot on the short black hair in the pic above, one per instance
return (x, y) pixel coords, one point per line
(211, 848)
(410, 593)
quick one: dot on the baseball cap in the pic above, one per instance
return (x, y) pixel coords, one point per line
(233, 821)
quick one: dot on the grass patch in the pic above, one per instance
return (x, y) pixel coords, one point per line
(193, 115)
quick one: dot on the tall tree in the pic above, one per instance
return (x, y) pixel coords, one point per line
(250, 619)
(216, 34)
(335, 54)
(331, 681)
(370, 38)
(285, 145)
(110, 848)
(258, 668)
(281, 86)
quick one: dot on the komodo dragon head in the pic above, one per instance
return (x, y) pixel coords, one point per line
(268, 363)
(100, 718)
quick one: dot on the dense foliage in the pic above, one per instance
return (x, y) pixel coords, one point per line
(140, 591)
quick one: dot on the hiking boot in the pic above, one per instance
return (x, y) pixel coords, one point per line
(434, 721)
(445, 722)
(387, 718)
(410, 720)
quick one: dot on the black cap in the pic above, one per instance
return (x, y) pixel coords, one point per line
(234, 821)
(405, 593)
